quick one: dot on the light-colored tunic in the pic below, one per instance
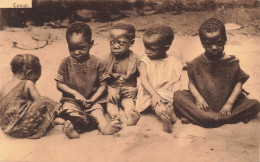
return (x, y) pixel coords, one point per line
(164, 76)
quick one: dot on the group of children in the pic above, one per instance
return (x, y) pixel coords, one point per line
(91, 86)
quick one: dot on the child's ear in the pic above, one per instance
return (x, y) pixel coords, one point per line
(28, 73)
(167, 47)
(91, 43)
(132, 42)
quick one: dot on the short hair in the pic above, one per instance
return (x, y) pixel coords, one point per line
(24, 62)
(212, 25)
(79, 27)
(165, 32)
(128, 27)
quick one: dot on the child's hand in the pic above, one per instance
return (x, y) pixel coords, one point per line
(202, 104)
(129, 91)
(88, 103)
(156, 100)
(226, 109)
(80, 97)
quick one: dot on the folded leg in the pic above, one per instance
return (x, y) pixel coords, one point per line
(185, 107)
(131, 113)
(165, 115)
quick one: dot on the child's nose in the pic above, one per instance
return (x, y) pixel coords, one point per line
(77, 52)
(214, 47)
(116, 46)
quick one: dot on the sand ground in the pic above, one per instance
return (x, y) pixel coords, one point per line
(146, 141)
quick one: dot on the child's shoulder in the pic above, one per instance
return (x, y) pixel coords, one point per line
(66, 60)
(196, 59)
(174, 59)
(96, 59)
(134, 56)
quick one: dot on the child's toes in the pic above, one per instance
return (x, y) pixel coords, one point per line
(111, 128)
(69, 130)
(185, 121)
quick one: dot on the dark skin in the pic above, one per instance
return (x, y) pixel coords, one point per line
(154, 50)
(79, 49)
(119, 45)
(214, 44)
(29, 89)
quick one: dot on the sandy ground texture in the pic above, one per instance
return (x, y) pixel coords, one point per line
(146, 141)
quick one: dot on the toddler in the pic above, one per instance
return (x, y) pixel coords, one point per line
(23, 112)
(160, 75)
(123, 73)
(82, 80)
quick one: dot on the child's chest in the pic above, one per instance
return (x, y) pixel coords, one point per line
(83, 71)
(120, 66)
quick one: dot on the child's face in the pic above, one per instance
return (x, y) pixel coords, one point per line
(79, 48)
(153, 47)
(119, 42)
(213, 44)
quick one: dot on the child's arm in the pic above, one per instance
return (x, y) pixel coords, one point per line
(200, 101)
(156, 99)
(64, 88)
(31, 90)
(226, 109)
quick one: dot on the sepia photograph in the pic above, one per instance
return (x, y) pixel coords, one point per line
(129, 80)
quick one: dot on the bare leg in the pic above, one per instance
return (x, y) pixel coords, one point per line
(104, 127)
(69, 130)
(170, 112)
(162, 113)
(131, 113)
(112, 110)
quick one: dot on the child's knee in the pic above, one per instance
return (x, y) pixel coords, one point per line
(128, 103)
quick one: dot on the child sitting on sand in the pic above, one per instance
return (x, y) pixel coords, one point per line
(215, 84)
(23, 112)
(82, 80)
(160, 75)
(123, 73)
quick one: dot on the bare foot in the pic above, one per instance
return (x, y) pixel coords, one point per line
(69, 131)
(185, 121)
(112, 127)
(166, 121)
(133, 118)
(246, 120)
(58, 121)
(115, 117)
(170, 112)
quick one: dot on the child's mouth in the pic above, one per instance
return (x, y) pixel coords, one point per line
(116, 53)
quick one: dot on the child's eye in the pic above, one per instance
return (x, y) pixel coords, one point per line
(83, 48)
(220, 43)
(121, 43)
(112, 42)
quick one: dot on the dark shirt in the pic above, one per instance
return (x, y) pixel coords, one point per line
(84, 77)
(121, 80)
(215, 80)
